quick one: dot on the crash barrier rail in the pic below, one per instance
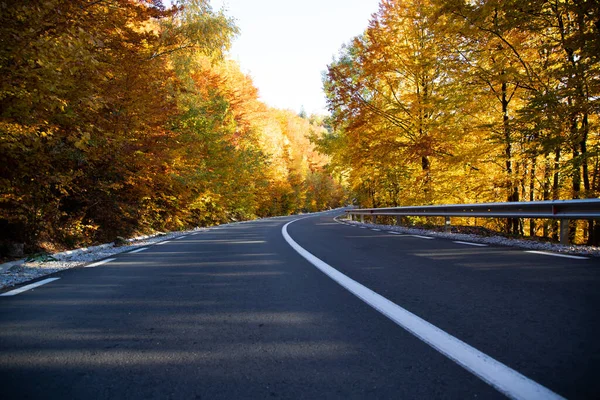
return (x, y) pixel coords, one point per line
(563, 210)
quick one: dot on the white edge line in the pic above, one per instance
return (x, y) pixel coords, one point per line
(422, 237)
(394, 233)
(546, 253)
(471, 244)
(503, 378)
(96, 264)
(180, 237)
(29, 287)
(376, 230)
(163, 242)
(138, 250)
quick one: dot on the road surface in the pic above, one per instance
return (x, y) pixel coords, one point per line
(236, 312)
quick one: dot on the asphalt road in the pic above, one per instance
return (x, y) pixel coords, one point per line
(236, 312)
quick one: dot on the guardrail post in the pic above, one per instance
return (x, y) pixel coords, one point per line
(448, 225)
(398, 220)
(564, 231)
(374, 218)
(362, 219)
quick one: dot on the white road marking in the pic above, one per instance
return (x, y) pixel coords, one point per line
(394, 233)
(421, 237)
(166, 241)
(138, 250)
(180, 237)
(363, 227)
(546, 253)
(376, 230)
(503, 378)
(471, 244)
(96, 264)
(29, 287)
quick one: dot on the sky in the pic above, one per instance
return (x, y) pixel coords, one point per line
(285, 45)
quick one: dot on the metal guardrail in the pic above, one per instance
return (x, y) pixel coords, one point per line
(563, 210)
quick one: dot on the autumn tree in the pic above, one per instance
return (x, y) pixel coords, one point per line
(459, 101)
(391, 93)
(81, 101)
(548, 47)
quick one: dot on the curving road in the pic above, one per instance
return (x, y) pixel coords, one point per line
(236, 312)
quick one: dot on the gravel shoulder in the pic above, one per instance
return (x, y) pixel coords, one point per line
(21, 271)
(579, 250)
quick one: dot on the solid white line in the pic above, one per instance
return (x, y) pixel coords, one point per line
(506, 380)
(29, 287)
(471, 244)
(421, 237)
(166, 241)
(376, 230)
(138, 250)
(180, 237)
(100, 263)
(394, 233)
(545, 253)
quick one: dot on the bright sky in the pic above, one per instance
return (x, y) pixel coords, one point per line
(285, 45)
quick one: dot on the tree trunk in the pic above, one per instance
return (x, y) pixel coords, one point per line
(532, 192)
(512, 224)
(555, 187)
(426, 166)
(546, 190)
(576, 176)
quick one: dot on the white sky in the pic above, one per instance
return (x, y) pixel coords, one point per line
(285, 45)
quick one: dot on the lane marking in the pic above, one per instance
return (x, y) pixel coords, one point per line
(138, 250)
(96, 264)
(471, 244)
(394, 233)
(29, 287)
(421, 237)
(376, 230)
(546, 253)
(501, 377)
(180, 237)
(161, 243)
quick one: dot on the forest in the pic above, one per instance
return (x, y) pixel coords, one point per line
(470, 101)
(120, 117)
